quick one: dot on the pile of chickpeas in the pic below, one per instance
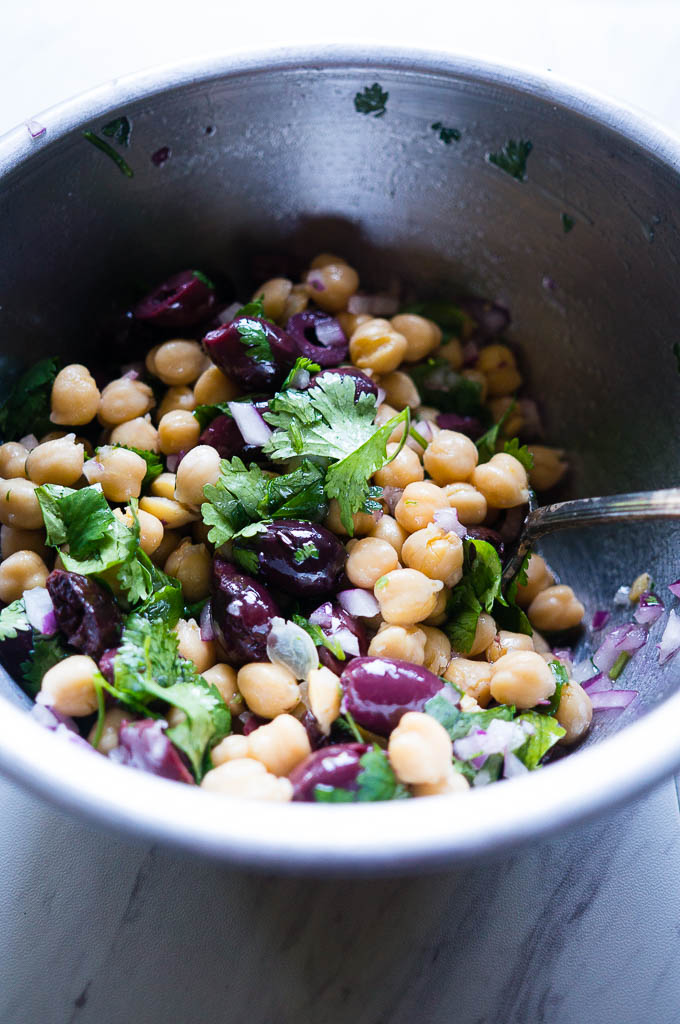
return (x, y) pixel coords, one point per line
(408, 561)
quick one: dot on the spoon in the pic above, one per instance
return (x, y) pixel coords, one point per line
(564, 515)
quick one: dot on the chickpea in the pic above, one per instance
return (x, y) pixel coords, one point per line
(418, 504)
(191, 564)
(56, 462)
(350, 321)
(497, 363)
(297, 302)
(137, 433)
(231, 748)
(75, 396)
(274, 294)
(172, 514)
(19, 505)
(405, 468)
(150, 528)
(199, 467)
(190, 645)
(451, 457)
(223, 677)
(108, 741)
(574, 713)
(437, 650)
(163, 486)
(280, 745)
(472, 677)
(124, 399)
(179, 399)
(178, 430)
(387, 528)
(452, 352)
(400, 390)
(119, 471)
(404, 642)
(178, 362)
(268, 690)
(324, 694)
(549, 466)
(370, 559)
(420, 749)
(363, 521)
(452, 783)
(506, 641)
(423, 336)
(638, 586)
(542, 646)
(485, 631)
(13, 539)
(324, 258)
(375, 345)
(503, 481)
(436, 553)
(438, 616)
(68, 687)
(332, 286)
(23, 570)
(554, 609)
(171, 538)
(384, 413)
(406, 596)
(521, 678)
(213, 387)
(500, 407)
(539, 577)
(247, 778)
(469, 503)
(13, 460)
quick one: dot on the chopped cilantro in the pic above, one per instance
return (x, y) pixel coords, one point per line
(447, 135)
(561, 680)
(122, 165)
(519, 452)
(546, 732)
(375, 782)
(13, 620)
(255, 308)
(438, 384)
(203, 278)
(307, 550)
(619, 665)
(301, 363)
(119, 129)
(319, 637)
(205, 414)
(486, 444)
(567, 223)
(324, 794)
(254, 337)
(479, 588)
(513, 158)
(459, 723)
(373, 100)
(45, 652)
(26, 410)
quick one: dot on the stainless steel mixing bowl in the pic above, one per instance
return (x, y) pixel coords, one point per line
(269, 161)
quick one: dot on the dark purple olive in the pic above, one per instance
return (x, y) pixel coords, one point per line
(254, 371)
(319, 337)
(337, 765)
(468, 425)
(491, 318)
(378, 691)
(15, 650)
(490, 536)
(85, 612)
(247, 722)
(312, 728)
(242, 613)
(106, 666)
(299, 557)
(330, 618)
(144, 745)
(223, 435)
(181, 301)
(363, 385)
(513, 522)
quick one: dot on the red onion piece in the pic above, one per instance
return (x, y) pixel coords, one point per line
(512, 766)
(391, 497)
(596, 684)
(329, 332)
(228, 314)
(381, 396)
(423, 428)
(359, 602)
(316, 280)
(29, 442)
(670, 641)
(347, 640)
(35, 129)
(612, 700)
(131, 374)
(205, 622)
(674, 587)
(144, 745)
(649, 609)
(447, 518)
(252, 427)
(60, 725)
(40, 610)
(624, 639)
(600, 619)
(171, 463)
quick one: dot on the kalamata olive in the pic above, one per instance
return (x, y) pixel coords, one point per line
(378, 691)
(331, 620)
(337, 766)
(490, 536)
(250, 365)
(363, 385)
(223, 434)
(181, 301)
(468, 425)
(106, 666)
(14, 651)
(241, 611)
(144, 745)
(247, 722)
(86, 613)
(319, 337)
(314, 735)
(300, 557)
(491, 318)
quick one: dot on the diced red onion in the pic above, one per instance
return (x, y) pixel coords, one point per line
(347, 640)
(29, 442)
(500, 737)
(670, 641)
(374, 305)
(674, 587)
(512, 766)
(391, 496)
(252, 427)
(228, 314)
(291, 646)
(359, 602)
(60, 725)
(621, 598)
(450, 694)
(329, 332)
(40, 610)
(649, 609)
(171, 463)
(131, 374)
(380, 398)
(35, 129)
(609, 700)
(624, 639)
(144, 745)
(600, 619)
(316, 281)
(596, 684)
(424, 428)
(447, 518)
(206, 624)
(582, 671)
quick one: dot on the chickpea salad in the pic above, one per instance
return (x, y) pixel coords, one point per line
(265, 556)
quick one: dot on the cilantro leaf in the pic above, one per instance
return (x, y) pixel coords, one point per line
(447, 135)
(308, 550)
(118, 129)
(205, 414)
(302, 364)
(561, 680)
(547, 731)
(319, 637)
(439, 385)
(154, 463)
(459, 723)
(513, 158)
(13, 620)
(373, 100)
(479, 588)
(96, 539)
(375, 782)
(519, 452)
(26, 410)
(254, 338)
(486, 444)
(324, 794)
(255, 308)
(203, 278)
(45, 652)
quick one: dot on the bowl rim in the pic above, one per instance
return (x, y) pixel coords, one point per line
(393, 837)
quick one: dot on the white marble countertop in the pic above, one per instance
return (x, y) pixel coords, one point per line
(99, 930)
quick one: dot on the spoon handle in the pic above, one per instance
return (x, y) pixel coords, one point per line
(564, 515)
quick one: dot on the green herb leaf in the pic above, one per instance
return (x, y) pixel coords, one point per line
(459, 723)
(375, 782)
(619, 665)
(513, 158)
(319, 637)
(205, 414)
(122, 165)
(439, 385)
(308, 550)
(567, 223)
(203, 278)
(96, 539)
(519, 452)
(26, 410)
(486, 444)
(479, 588)
(561, 680)
(119, 129)
(447, 135)
(373, 100)
(301, 363)
(45, 652)
(255, 308)
(547, 731)
(13, 620)
(254, 337)
(324, 794)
